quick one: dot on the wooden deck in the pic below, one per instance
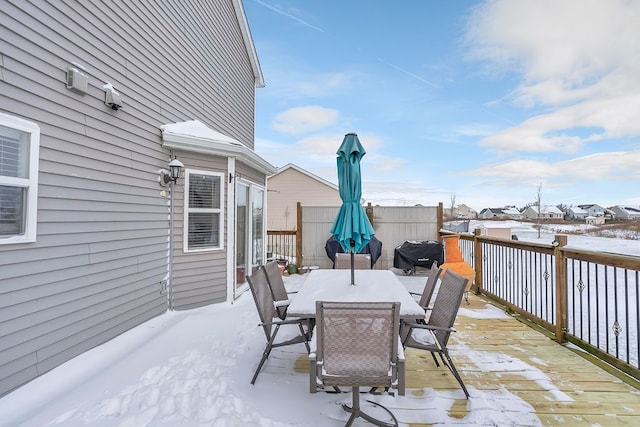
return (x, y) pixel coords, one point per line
(516, 370)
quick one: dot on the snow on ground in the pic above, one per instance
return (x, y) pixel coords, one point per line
(192, 368)
(525, 232)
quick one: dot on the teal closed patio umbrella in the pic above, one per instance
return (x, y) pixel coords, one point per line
(351, 228)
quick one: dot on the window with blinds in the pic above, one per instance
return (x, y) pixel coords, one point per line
(19, 141)
(203, 210)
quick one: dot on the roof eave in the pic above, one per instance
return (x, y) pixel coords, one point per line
(217, 148)
(248, 42)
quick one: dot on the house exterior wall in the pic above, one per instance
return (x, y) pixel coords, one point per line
(101, 252)
(550, 212)
(198, 278)
(593, 210)
(465, 211)
(289, 187)
(489, 213)
(577, 213)
(626, 212)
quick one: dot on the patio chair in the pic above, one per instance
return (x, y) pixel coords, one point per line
(425, 299)
(434, 335)
(429, 287)
(360, 261)
(278, 291)
(267, 312)
(356, 344)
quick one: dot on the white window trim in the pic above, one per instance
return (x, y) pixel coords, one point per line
(31, 183)
(220, 210)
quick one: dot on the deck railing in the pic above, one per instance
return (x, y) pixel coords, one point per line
(590, 299)
(283, 245)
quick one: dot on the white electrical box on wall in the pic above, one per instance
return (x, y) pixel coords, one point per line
(76, 81)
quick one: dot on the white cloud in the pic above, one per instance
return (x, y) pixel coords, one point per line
(600, 166)
(577, 59)
(299, 120)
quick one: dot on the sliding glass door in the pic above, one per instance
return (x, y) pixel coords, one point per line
(249, 232)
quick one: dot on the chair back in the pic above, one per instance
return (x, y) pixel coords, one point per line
(360, 261)
(430, 285)
(446, 305)
(357, 343)
(264, 300)
(276, 285)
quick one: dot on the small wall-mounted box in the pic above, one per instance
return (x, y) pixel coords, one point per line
(76, 81)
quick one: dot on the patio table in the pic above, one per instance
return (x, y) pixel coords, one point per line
(335, 285)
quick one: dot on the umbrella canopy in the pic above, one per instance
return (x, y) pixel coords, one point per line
(351, 227)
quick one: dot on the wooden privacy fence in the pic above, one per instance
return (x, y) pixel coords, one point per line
(587, 298)
(393, 225)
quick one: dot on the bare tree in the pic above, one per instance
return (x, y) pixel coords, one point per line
(453, 204)
(539, 204)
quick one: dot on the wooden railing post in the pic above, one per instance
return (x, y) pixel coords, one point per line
(477, 259)
(369, 211)
(299, 260)
(561, 287)
(440, 221)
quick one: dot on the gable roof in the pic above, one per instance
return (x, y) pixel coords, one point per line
(589, 206)
(248, 42)
(305, 172)
(577, 210)
(547, 209)
(511, 211)
(629, 209)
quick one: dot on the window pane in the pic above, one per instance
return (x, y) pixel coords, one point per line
(242, 203)
(204, 191)
(12, 210)
(257, 224)
(14, 153)
(204, 230)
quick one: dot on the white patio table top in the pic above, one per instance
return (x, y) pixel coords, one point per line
(335, 285)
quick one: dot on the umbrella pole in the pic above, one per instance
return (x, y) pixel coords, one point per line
(353, 244)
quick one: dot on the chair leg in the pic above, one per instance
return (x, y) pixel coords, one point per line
(265, 354)
(306, 336)
(455, 373)
(435, 359)
(357, 412)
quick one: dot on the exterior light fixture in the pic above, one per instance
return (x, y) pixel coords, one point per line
(175, 170)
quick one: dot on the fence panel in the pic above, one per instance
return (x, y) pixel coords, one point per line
(522, 276)
(602, 300)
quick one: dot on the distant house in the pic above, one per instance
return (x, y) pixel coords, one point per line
(461, 211)
(547, 212)
(507, 212)
(491, 213)
(594, 220)
(466, 212)
(96, 99)
(292, 184)
(593, 210)
(625, 212)
(512, 213)
(576, 213)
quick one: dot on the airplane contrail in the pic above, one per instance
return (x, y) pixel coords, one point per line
(295, 18)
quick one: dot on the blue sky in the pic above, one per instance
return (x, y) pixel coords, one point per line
(484, 101)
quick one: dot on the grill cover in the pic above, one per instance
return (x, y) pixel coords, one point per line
(420, 253)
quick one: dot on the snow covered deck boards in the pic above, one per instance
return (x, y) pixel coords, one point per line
(502, 361)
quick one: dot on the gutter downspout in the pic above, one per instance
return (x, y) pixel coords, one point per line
(171, 238)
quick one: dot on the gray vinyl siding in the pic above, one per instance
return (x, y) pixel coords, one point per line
(199, 278)
(101, 250)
